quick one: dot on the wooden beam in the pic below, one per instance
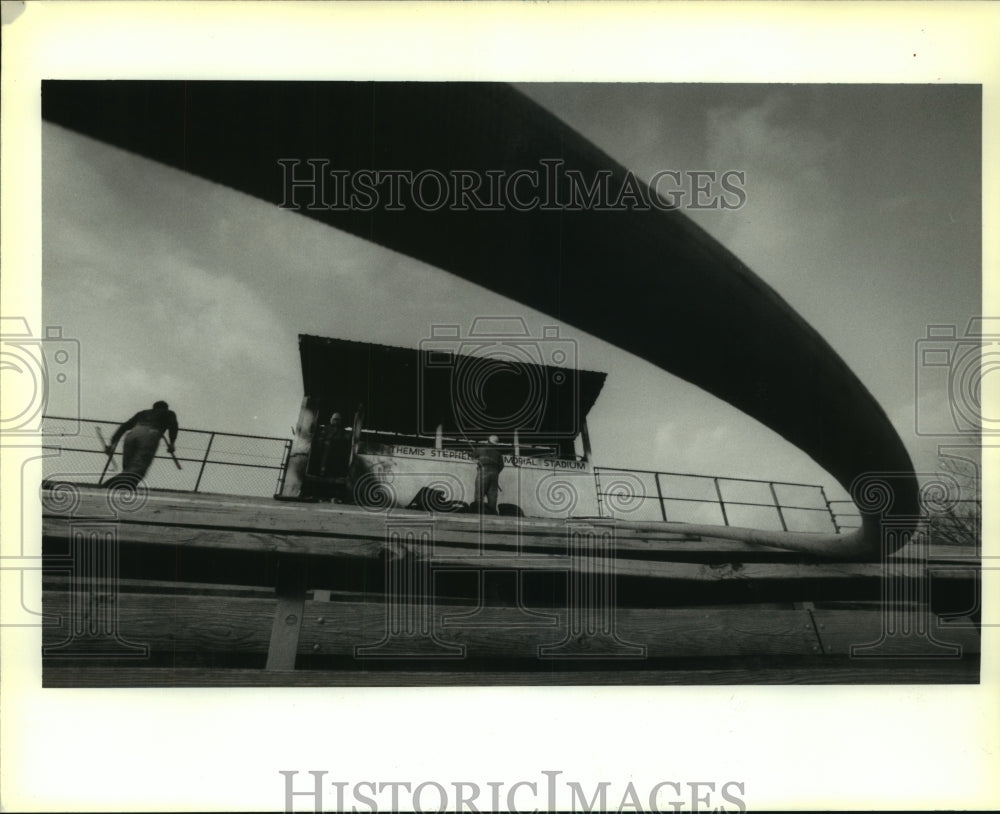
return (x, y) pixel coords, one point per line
(287, 624)
(455, 551)
(963, 671)
(231, 625)
(265, 515)
(901, 632)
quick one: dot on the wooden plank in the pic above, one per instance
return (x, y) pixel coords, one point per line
(661, 634)
(447, 557)
(939, 553)
(218, 555)
(227, 625)
(507, 632)
(316, 544)
(356, 524)
(53, 582)
(257, 524)
(831, 671)
(239, 625)
(266, 513)
(263, 516)
(287, 625)
(907, 632)
(444, 555)
(180, 623)
(230, 539)
(647, 574)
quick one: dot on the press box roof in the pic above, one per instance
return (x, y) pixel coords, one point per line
(467, 386)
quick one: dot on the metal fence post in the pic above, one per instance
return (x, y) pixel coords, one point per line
(777, 505)
(204, 461)
(597, 484)
(659, 496)
(722, 503)
(829, 508)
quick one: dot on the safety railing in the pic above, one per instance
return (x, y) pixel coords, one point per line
(207, 461)
(845, 515)
(254, 466)
(638, 494)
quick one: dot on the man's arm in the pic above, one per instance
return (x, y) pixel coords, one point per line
(172, 430)
(122, 429)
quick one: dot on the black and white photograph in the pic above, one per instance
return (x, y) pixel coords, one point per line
(366, 384)
(474, 397)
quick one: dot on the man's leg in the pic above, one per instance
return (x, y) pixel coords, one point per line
(492, 484)
(481, 488)
(138, 451)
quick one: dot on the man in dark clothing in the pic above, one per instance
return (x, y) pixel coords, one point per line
(489, 461)
(336, 448)
(335, 457)
(142, 438)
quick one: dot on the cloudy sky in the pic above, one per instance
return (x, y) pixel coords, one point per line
(862, 211)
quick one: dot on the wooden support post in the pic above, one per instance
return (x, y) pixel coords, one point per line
(357, 427)
(585, 433)
(291, 593)
(298, 458)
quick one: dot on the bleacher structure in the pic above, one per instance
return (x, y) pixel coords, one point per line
(588, 576)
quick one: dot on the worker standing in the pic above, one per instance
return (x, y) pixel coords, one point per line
(489, 462)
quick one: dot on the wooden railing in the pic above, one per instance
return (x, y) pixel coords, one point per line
(174, 589)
